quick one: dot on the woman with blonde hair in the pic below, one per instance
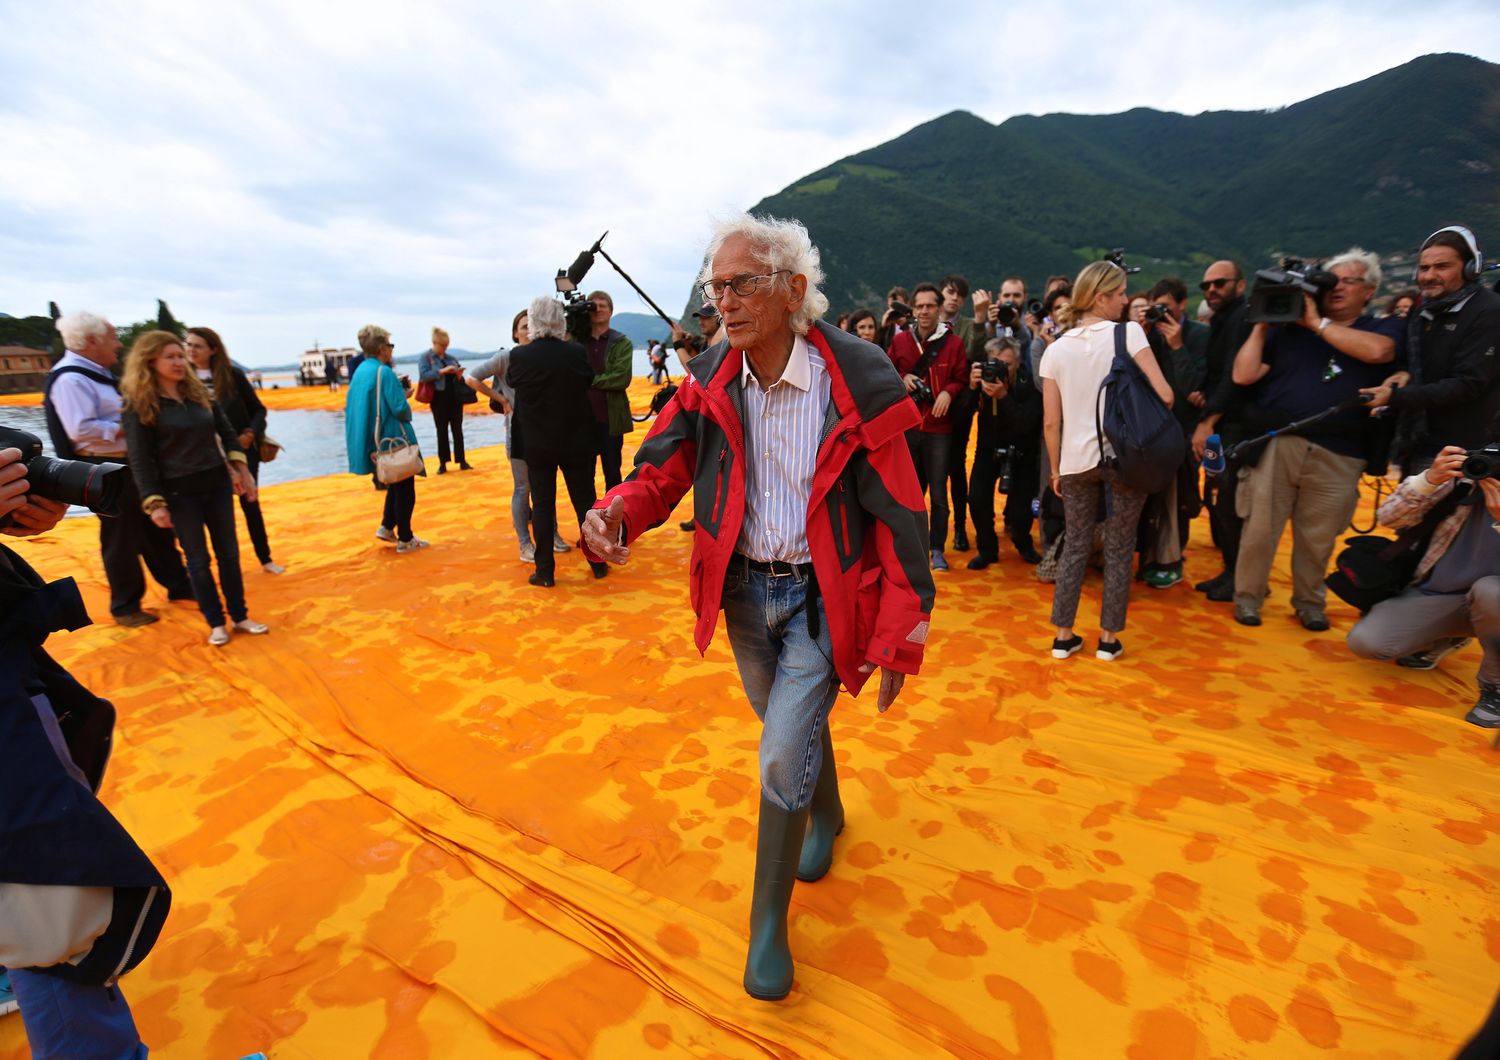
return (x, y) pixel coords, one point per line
(233, 393)
(188, 464)
(446, 376)
(1072, 374)
(377, 405)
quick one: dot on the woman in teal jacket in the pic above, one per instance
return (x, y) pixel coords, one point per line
(375, 381)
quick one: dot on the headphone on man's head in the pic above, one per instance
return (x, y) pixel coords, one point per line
(1472, 267)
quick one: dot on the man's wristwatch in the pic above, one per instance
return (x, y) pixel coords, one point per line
(1323, 325)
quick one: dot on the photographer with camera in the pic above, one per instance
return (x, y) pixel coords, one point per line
(82, 403)
(1179, 346)
(1312, 476)
(897, 316)
(610, 355)
(1007, 451)
(1454, 593)
(931, 361)
(80, 904)
(1450, 390)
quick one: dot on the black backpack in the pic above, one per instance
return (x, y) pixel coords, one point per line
(1146, 437)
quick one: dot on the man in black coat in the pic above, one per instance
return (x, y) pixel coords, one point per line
(553, 428)
(1451, 390)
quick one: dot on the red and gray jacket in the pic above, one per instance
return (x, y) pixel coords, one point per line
(866, 518)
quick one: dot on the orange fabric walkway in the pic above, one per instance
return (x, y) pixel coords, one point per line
(437, 813)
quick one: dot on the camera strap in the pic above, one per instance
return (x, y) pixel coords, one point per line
(930, 349)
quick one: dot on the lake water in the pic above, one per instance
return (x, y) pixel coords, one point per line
(314, 440)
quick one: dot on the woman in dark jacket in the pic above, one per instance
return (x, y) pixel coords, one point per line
(174, 433)
(448, 392)
(228, 387)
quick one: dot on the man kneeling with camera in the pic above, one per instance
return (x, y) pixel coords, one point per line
(1455, 593)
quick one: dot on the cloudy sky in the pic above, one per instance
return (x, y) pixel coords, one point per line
(288, 171)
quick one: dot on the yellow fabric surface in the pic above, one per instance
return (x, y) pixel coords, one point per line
(438, 813)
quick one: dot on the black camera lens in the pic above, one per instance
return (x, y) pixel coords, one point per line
(1034, 307)
(993, 370)
(1006, 315)
(1157, 313)
(1481, 464)
(93, 486)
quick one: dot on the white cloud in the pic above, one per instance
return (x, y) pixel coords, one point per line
(286, 171)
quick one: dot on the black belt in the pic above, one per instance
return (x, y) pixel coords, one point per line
(774, 567)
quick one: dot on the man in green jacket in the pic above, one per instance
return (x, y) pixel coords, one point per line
(610, 356)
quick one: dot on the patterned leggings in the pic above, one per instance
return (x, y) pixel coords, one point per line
(1080, 497)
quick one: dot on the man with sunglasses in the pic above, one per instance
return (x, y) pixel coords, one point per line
(1223, 290)
(810, 535)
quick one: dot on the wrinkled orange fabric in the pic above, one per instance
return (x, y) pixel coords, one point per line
(438, 813)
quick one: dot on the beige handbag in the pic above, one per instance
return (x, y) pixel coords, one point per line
(396, 459)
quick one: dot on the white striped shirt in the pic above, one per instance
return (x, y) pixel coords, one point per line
(783, 425)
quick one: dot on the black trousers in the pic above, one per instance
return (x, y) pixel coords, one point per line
(400, 503)
(611, 455)
(958, 477)
(541, 473)
(125, 541)
(1025, 479)
(255, 523)
(448, 415)
(929, 452)
(1219, 494)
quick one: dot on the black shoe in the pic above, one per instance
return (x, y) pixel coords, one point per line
(442, 469)
(600, 569)
(1109, 651)
(1429, 657)
(1061, 649)
(1246, 616)
(1208, 583)
(1223, 592)
(1313, 621)
(136, 618)
(543, 581)
(960, 541)
(825, 818)
(465, 467)
(1486, 711)
(981, 561)
(1025, 550)
(778, 847)
(687, 526)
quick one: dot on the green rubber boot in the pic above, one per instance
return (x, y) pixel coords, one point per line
(825, 819)
(768, 966)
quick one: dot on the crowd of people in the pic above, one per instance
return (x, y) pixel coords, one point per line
(829, 463)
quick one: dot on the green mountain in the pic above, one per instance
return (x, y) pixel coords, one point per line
(1380, 163)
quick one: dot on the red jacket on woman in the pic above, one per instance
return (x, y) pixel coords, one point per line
(866, 519)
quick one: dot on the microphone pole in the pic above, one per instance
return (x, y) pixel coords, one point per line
(598, 248)
(1300, 425)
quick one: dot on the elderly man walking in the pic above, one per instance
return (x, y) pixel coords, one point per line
(811, 537)
(82, 404)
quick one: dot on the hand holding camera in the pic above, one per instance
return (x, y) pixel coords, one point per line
(23, 514)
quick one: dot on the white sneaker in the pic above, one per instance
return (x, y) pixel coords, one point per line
(385, 533)
(411, 546)
(218, 637)
(559, 545)
(528, 553)
(249, 625)
(273, 568)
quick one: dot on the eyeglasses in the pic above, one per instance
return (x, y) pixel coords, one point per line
(1214, 285)
(1353, 281)
(744, 286)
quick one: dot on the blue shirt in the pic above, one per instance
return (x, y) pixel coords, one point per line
(89, 409)
(1307, 375)
(783, 424)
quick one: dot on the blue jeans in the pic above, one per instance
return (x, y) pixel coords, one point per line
(192, 514)
(520, 501)
(65, 1019)
(788, 676)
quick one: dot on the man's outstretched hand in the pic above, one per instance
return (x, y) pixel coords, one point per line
(601, 532)
(890, 685)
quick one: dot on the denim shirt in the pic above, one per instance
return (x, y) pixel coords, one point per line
(429, 369)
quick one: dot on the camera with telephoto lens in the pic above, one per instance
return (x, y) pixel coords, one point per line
(921, 393)
(994, 370)
(899, 311)
(1480, 464)
(1006, 315)
(1276, 295)
(93, 486)
(1034, 307)
(1155, 314)
(1003, 455)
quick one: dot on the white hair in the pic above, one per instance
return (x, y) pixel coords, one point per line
(783, 244)
(78, 327)
(545, 319)
(1362, 257)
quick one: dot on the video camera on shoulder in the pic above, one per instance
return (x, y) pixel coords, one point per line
(93, 486)
(1276, 295)
(1480, 464)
